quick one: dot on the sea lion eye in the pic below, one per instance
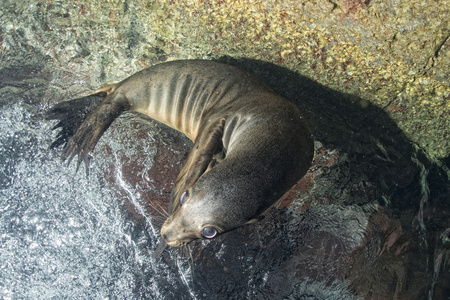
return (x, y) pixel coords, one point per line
(183, 198)
(209, 232)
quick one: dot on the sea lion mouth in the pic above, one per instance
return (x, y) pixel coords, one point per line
(163, 245)
(177, 243)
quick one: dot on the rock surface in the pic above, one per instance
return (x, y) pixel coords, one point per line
(371, 217)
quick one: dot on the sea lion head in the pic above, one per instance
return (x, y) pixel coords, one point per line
(218, 202)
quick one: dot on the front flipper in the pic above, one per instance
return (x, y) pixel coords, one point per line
(80, 137)
(200, 158)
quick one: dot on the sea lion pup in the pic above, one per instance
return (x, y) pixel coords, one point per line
(250, 144)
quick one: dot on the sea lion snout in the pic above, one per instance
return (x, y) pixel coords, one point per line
(176, 234)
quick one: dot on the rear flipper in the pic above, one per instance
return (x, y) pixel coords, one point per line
(83, 122)
(70, 115)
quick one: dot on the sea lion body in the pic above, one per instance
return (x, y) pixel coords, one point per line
(250, 144)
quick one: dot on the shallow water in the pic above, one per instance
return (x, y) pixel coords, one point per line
(63, 235)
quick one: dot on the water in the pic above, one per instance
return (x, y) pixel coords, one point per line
(63, 235)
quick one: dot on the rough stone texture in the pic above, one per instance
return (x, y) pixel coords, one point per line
(370, 76)
(392, 53)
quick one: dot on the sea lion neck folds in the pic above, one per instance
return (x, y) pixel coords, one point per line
(250, 144)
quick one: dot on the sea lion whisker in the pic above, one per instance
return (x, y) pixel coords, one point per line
(187, 252)
(159, 209)
(158, 219)
(160, 248)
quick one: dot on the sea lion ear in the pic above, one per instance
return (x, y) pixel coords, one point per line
(208, 142)
(254, 220)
